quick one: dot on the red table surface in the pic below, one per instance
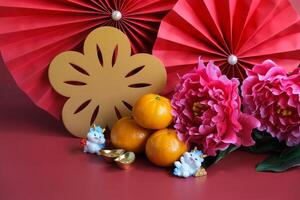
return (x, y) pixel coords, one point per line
(41, 161)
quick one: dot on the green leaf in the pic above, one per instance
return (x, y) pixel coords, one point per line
(260, 135)
(208, 161)
(224, 153)
(265, 143)
(280, 162)
(270, 146)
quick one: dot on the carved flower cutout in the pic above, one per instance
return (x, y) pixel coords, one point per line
(104, 82)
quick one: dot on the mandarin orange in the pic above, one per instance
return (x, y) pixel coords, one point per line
(128, 135)
(152, 111)
(163, 147)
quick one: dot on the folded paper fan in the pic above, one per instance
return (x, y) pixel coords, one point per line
(33, 32)
(236, 34)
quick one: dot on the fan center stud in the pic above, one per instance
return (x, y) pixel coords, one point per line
(232, 59)
(116, 15)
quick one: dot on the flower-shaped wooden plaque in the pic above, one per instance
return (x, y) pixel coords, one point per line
(104, 82)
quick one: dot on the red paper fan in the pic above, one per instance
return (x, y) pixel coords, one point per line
(33, 32)
(236, 34)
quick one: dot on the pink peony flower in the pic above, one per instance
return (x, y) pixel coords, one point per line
(273, 97)
(206, 107)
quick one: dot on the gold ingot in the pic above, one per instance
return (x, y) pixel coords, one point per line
(111, 155)
(125, 160)
(201, 172)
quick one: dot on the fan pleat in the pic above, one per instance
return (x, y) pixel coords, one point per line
(263, 14)
(240, 16)
(188, 32)
(272, 35)
(251, 30)
(34, 44)
(33, 32)
(84, 5)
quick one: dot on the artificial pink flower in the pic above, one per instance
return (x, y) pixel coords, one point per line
(273, 97)
(206, 107)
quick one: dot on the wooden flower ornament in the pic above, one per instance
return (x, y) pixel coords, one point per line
(104, 82)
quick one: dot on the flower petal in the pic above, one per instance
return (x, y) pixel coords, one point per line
(79, 122)
(110, 43)
(143, 82)
(248, 123)
(69, 73)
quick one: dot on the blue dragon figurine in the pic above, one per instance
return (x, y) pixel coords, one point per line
(95, 140)
(190, 163)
